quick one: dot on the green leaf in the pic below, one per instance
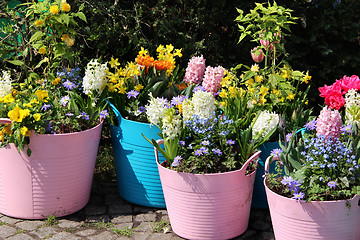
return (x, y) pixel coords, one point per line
(82, 16)
(36, 36)
(65, 18)
(16, 62)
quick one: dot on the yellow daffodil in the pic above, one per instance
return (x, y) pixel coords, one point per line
(307, 78)
(282, 99)
(178, 52)
(291, 96)
(28, 105)
(114, 62)
(276, 92)
(56, 81)
(233, 91)
(307, 102)
(263, 90)
(223, 94)
(258, 79)
(34, 101)
(250, 82)
(138, 87)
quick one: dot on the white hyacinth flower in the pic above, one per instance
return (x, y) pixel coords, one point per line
(264, 124)
(95, 78)
(5, 84)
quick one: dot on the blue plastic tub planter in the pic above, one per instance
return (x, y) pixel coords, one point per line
(259, 199)
(137, 173)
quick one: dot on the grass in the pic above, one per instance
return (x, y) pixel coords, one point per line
(3, 223)
(51, 221)
(159, 226)
(124, 232)
(102, 225)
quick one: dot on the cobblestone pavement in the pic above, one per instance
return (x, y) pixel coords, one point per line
(108, 216)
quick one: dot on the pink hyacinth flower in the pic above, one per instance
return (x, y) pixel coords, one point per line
(257, 57)
(195, 70)
(329, 123)
(212, 78)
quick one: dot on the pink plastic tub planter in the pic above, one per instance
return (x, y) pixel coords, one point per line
(208, 206)
(55, 180)
(300, 220)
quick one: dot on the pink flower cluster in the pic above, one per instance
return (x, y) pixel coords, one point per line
(334, 94)
(329, 123)
(195, 70)
(212, 78)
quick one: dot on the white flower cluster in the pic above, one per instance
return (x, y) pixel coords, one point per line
(352, 107)
(201, 104)
(95, 77)
(5, 84)
(264, 124)
(171, 124)
(155, 110)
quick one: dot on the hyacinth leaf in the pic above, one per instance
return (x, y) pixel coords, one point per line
(155, 144)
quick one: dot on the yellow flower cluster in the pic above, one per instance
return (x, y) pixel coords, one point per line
(5, 130)
(123, 79)
(229, 88)
(274, 88)
(67, 40)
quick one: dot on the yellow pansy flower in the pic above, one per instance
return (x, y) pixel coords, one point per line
(34, 101)
(8, 98)
(41, 94)
(28, 105)
(37, 116)
(25, 131)
(17, 114)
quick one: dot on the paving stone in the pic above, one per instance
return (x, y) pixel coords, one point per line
(6, 231)
(95, 210)
(121, 219)
(123, 225)
(44, 232)
(104, 235)
(64, 236)
(64, 223)
(10, 220)
(145, 217)
(142, 226)
(29, 225)
(163, 236)
(21, 236)
(86, 232)
(140, 235)
(120, 209)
